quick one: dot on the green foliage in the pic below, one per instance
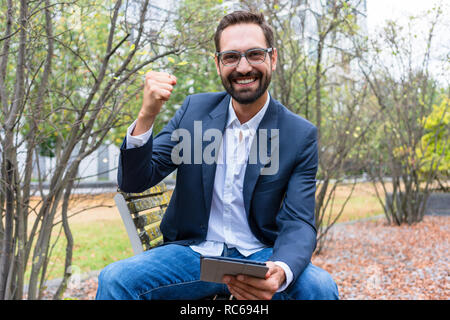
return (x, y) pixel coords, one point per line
(81, 32)
(433, 149)
(194, 68)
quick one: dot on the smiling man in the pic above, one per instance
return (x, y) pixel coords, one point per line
(247, 81)
(228, 208)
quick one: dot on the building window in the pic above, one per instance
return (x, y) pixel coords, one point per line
(103, 163)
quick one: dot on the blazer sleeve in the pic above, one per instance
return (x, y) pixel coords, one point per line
(143, 167)
(296, 240)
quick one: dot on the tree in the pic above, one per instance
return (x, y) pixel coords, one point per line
(68, 73)
(397, 68)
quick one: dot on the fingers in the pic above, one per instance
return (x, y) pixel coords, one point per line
(164, 85)
(159, 90)
(159, 85)
(162, 77)
(246, 287)
(160, 80)
(162, 94)
(259, 284)
(242, 294)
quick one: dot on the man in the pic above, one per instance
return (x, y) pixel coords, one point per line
(233, 207)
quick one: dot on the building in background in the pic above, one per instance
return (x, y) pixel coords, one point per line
(101, 165)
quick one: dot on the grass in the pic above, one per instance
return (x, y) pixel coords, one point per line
(363, 203)
(358, 207)
(96, 244)
(100, 237)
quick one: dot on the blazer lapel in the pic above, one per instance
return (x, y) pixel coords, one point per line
(264, 133)
(216, 120)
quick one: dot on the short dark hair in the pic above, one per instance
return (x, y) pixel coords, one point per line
(239, 17)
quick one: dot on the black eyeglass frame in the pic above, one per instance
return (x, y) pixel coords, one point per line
(220, 54)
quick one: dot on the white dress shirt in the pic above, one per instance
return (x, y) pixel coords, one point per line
(228, 221)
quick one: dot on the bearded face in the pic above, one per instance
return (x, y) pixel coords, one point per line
(245, 82)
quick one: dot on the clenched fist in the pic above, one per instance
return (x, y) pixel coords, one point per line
(157, 90)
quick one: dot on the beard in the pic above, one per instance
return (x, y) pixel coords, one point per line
(246, 95)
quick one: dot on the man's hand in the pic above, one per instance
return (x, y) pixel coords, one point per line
(244, 287)
(157, 90)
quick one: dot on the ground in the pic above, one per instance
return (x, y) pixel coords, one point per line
(373, 260)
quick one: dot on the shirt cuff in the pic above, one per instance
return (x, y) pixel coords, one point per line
(137, 141)
(287, 272)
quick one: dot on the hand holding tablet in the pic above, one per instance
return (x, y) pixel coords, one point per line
(213, 269)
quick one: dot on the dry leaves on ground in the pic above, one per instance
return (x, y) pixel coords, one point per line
(373, 260)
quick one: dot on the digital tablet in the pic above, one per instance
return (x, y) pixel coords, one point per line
(213, 269)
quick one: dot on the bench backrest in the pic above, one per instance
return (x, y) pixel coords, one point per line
(141, 214)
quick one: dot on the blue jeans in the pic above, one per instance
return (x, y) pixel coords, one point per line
(173, 272)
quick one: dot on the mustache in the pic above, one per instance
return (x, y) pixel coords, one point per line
(253, 73)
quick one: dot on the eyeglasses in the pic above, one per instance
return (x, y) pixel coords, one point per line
(232, 58)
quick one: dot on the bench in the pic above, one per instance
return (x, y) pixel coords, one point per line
(142, 214)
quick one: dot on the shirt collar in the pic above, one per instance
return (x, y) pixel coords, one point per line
(253, 123)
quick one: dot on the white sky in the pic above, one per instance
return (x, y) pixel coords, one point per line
(380, 10)
(399, 10)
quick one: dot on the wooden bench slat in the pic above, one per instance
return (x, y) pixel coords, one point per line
(148, 203)
(153, 230)
(142, 216)
(144, 219)
(145, 239)
(150, 233)
(158, 189)
(156, 242)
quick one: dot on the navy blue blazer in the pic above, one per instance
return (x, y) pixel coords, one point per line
(279, 207)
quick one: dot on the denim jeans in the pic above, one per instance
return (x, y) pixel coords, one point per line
(173, 272)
